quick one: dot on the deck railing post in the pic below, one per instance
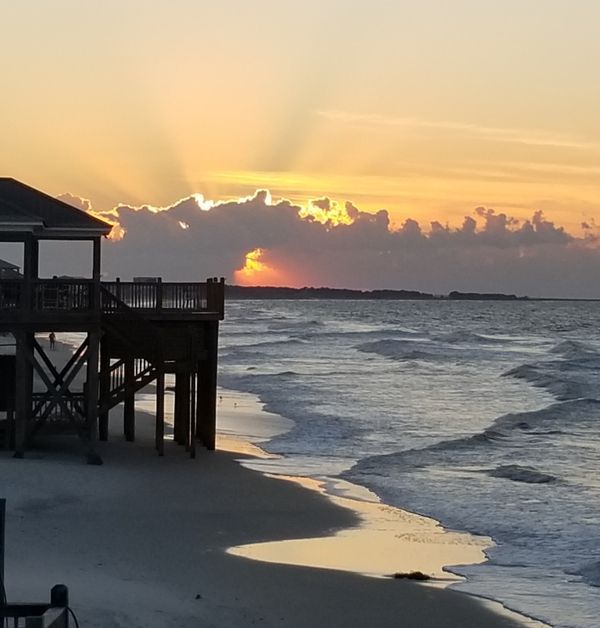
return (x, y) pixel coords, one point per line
(222, 297)
(208, 295)
(159, 293)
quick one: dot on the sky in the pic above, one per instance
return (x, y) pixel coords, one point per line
(428, 110)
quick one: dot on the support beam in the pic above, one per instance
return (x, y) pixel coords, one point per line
(96, 263)
(129, 402)
(193, 414)
(182, 408)
(104, 388)
(91, 401)
(29, 273)
(160, 410)
(24, 391)
(206, 429)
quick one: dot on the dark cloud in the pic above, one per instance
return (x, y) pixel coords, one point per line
(490, 251)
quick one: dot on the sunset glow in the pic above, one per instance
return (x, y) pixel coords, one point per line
(256, 272)
(435, 109)
(429, 135)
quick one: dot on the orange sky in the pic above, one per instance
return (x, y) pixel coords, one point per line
(427, 109)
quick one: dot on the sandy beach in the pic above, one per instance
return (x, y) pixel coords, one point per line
(143, 541)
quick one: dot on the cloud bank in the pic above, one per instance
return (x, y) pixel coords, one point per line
(338, 245)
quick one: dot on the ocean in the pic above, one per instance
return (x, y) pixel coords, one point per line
(482, 415)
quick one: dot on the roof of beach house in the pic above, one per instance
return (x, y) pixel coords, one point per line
(25, 209)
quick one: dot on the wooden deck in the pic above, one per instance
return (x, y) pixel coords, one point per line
(136, 332)
(59, 304)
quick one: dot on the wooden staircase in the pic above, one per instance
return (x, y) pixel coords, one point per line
(127, 331)
(144, 373)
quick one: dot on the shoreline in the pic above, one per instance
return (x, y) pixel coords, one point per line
(424, 543)
(143, 541)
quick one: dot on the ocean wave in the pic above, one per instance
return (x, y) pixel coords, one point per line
(565, 380)
(549, 419)
(289, 325)
(532, 373)
(464, 336)
(590, 572)
(518, 473)
(399, 350)
(358, 334)
(538, 428)
(279, 343)
(573, 350)
(240, 355)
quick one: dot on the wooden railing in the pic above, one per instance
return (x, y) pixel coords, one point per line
(63, 295)
(79, 295)
(34, 616)
(43, 295)
(156, 296)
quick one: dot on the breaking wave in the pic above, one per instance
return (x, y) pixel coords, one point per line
(518, 473)
(468, 337)
(400, 350)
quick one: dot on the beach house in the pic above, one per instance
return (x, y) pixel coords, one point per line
(133, 333)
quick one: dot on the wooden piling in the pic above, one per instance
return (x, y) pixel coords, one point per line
(160, 411)
(206, 427)
(24, 389)
(104, 388)
(91, 401)
(129, 402)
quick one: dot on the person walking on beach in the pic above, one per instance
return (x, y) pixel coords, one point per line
(52, 339)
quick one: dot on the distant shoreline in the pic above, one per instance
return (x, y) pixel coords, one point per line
(271, 292)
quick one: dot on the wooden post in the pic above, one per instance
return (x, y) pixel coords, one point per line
(206, 429)
(182, 408)
(160, 410)
(221, 297)
(24, 389)
(104, 388)
(193, 414)
(29, 258)
(129, 402)
(159, 294)
(177, 414)
(91, 401)
(186, 419)
(96, 261)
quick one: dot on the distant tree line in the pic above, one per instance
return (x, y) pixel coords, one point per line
(270, 292)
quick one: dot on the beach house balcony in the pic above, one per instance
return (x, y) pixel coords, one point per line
(135, 332)
(77, 302)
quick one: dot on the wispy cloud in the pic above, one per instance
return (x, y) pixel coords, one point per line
(530, 137)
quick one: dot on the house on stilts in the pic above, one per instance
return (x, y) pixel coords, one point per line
(134, 333)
